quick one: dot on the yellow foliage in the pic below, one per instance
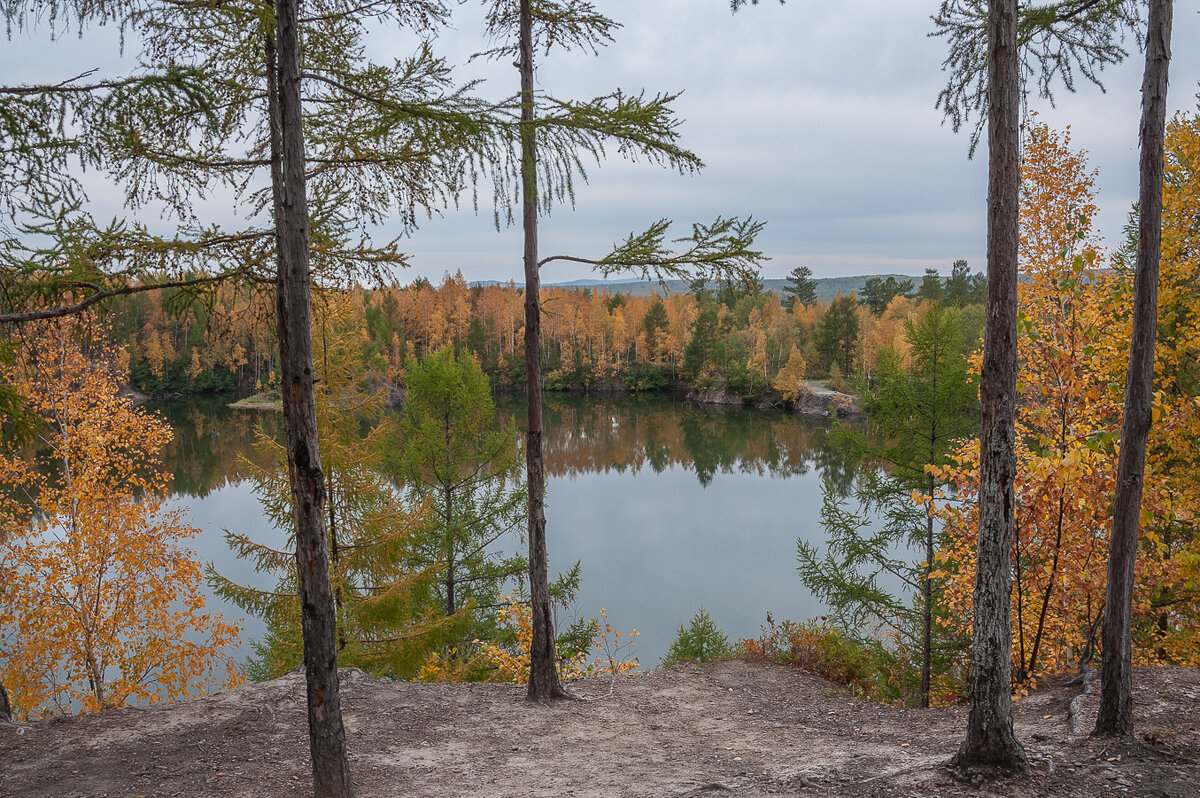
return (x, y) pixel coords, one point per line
(790, 379)
(100, 605)
(1073, 346)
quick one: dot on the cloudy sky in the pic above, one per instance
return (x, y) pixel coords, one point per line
(818, 118)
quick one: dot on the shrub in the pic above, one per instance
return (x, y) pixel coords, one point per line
(823, 650)
(701, 641)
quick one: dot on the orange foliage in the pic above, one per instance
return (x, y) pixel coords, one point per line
(100, 606)
(1073, 342)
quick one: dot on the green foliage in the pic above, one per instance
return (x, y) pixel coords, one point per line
(866, 573)
(453, 460)
(655, 320)
(385, 624)
(931, 287)
(647, 377)
(699, 351)
(963, 288)
(801, 288)
(877, 292)
(700, 641)
(836, 335)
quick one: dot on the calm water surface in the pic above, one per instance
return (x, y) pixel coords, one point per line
(670, 506)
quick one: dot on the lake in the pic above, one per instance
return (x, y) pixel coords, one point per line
(670, 506)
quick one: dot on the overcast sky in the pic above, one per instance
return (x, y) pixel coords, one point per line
(817, 118)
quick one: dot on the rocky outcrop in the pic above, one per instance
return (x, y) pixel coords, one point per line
(712, 396)
(817, 400)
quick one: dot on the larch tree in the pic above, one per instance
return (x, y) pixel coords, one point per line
(453, 457)
(558, 131)
(361, 142)
(382, 620)
(917, 409)
(997, 50)
(990, 740)
(1116, 684)
(56, 258)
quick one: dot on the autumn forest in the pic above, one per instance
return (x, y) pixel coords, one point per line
(1015, 493)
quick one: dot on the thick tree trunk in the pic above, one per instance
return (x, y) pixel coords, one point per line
(990, 741)
(543, 666)
(1116, 685)
(5, 708)
(327, 737)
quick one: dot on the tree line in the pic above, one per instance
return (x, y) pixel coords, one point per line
(218, 105)
(738, 339)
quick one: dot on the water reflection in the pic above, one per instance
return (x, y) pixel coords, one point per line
(669, 505)
(588, 435)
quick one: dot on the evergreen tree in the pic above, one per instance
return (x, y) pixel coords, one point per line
(801, 288)
(878, 292)
(963, 287)
(931, 287)
(698, 353)
(383, 622)
(836, 334)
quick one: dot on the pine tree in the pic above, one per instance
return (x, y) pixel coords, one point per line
(801, 288)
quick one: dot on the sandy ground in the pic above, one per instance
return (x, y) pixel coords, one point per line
(736, 728)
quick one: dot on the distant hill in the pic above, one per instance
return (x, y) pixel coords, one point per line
(827, 287)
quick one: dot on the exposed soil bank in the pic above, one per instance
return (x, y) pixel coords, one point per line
(736, 728)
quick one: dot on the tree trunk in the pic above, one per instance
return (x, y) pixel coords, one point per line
(990, 740)
(327, 737)
(927, 590)
(543, 666)
(5, 708)
(1116, 684)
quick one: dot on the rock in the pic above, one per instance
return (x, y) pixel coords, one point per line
(817, 400)
(714, 397)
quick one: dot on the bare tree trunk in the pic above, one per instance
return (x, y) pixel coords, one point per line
(5, 708)
(990, 740)
(327, 737)
(927, 591)
(543, 666)
(1116, 684)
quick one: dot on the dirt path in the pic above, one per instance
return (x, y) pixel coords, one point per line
(736, 728)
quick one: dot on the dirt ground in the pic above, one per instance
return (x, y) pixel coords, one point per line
(738, 728)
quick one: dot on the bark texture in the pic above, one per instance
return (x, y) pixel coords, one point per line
(990, 741)
(1116, 686)
(927, 586)
(327, 737)
(544, 684)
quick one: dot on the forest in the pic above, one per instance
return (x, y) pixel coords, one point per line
(733, 338)
(1032, 428)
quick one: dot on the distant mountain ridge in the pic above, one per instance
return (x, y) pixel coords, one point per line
(827, 287)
